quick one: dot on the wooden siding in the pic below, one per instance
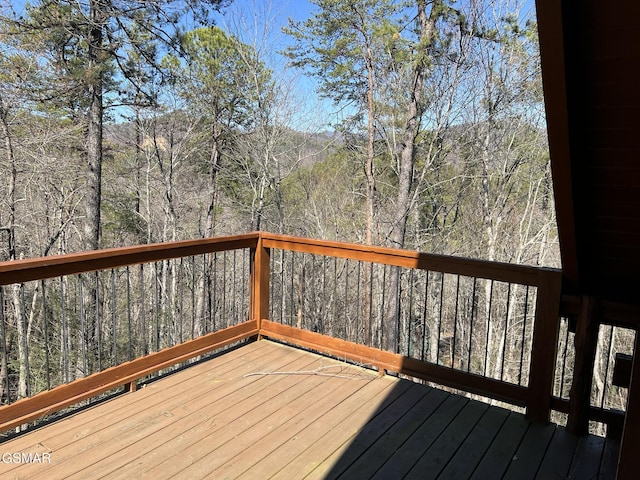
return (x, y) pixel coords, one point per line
(269, 411)
(590, 65)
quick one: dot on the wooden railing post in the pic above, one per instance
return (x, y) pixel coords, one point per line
(628, 459)
(545, 341)
(260, 276)
(586, 343)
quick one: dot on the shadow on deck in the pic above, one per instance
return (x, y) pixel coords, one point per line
(423, 433)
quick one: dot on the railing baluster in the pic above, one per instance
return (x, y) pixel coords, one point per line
(83, 328)
(5, 361)
(345, 313)
(395, 271)
(440, 315)
(425, 330)
(234, 308)
(224, 290)
(332, 321)
(455, 323)
(359, 338)
(281, 284)
(65, 333)
(564, 361)
(488, 333)
(193, 297)
(369, 306)
(156, 306)
(114, 324)
(143, 309)
(323, 303)
(24, 332)
(129, 321)
(180, 284)
(299, 295)
(282, 287)
(409, 322)
(261, 283)
(245, 285)
(97, 331)
(168, 307)
(506, 332)
(292, 273)
(606, 382)
(205, 311)
(471, 323)
(45, 328)
(524, 328)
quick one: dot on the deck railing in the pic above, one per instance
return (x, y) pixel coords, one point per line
(605, 365)
(483, 327)
(426, 316)
(77, 326)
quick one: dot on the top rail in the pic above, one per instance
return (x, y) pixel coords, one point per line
(48, 267)
(504, 272)
(54, 266)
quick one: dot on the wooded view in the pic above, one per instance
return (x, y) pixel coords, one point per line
(131, 122)
(122, 127)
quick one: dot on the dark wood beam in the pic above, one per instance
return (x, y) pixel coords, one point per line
(586, 342)
(551, 37)
(628, 461)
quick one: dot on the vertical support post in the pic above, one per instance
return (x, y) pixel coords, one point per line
(628, 460)
(545, 341)
(260, 277)
(586, 343)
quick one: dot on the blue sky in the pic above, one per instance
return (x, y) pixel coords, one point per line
(249, 18)
(259, 23)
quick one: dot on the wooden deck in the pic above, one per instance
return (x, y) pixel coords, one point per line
(254, 413)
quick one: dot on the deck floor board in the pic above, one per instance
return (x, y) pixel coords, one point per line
(557, 461)
(267, 410)
(528, 457)
(403, 459)
(438, 456)
(496, 460)
(367, 465)
(476, 444)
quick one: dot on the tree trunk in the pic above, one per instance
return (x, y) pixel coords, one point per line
(141, 235)
(16, 289)
(11, 160)
(260, 207)
(204, 281)
(94, 176)
(370, 166)
(94, 130)
(214, 163)
(21, 328)
(412, 124)
(407, 158)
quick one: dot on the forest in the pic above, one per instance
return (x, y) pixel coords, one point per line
(126, 128)
(410, 124)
